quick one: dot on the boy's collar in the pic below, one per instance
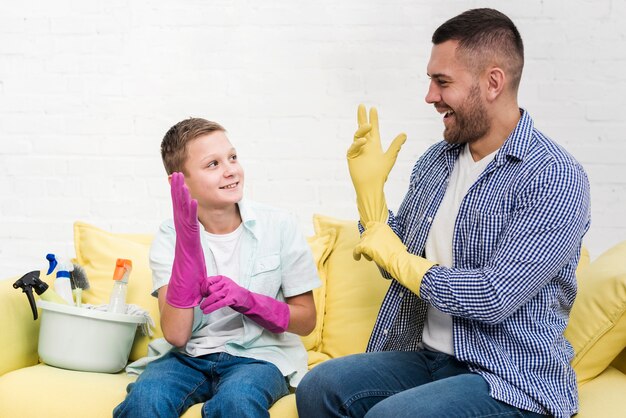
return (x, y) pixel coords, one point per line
(248, 215)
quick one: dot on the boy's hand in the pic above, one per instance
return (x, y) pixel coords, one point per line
(221, 291)
(369, 166)
(189, 268)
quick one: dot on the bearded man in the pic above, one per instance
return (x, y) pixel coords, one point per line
(481, 254)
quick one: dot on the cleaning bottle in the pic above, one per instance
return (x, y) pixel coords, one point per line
(62, 284)
(31, 282)
(117, 303)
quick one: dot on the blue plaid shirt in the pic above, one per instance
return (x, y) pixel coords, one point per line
(516, 246)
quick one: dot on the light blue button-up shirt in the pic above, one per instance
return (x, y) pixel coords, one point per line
(275, 260)
(516, 245)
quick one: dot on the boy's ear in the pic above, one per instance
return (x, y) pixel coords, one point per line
(169, 179)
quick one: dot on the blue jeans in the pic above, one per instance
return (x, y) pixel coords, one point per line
(229, 386)
(397, 384)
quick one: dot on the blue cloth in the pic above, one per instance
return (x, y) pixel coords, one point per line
(229, 386)
(516, 246)
(399, 385)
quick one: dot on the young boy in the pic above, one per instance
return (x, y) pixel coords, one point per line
(232, 320)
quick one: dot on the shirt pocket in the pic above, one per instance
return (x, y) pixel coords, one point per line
(484, 232)
(266, 277)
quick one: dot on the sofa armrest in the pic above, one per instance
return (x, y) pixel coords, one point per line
(20, 333)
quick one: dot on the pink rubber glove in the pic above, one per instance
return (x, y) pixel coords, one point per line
(189, 268)
(268, 312)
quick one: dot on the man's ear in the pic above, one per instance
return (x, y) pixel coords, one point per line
(496, 80)
(169, 179)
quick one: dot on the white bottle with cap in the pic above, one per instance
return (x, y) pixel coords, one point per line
(62, 284)
(117, 302)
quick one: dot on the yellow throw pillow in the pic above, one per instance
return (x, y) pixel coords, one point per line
(321, 245)
(354, 291)
(620, 361)
(97, 250)
(584, 261)
(597, 326)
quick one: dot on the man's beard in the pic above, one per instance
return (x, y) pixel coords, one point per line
(470, 120)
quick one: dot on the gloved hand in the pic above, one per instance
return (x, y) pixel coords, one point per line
(369, 166)
(381, 244)
(189, 268)
(220, 291)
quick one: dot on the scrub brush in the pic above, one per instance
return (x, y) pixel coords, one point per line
(78, 279)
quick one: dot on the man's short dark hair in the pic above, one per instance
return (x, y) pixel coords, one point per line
(485, 36)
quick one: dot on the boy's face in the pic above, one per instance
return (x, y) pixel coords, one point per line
(213, 173)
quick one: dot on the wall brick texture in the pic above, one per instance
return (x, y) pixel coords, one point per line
(88, 88)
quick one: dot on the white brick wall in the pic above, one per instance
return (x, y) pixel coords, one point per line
(88, 88)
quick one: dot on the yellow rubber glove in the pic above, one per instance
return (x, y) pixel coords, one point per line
(369, 166)
(381, 244)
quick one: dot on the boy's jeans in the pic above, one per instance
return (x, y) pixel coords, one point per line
(398, 384)
(229, 386)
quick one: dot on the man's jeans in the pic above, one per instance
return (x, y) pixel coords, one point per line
(395, 384)
(229, 386)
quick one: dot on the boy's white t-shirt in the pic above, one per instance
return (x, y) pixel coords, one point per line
(224, 324)
(437, 334)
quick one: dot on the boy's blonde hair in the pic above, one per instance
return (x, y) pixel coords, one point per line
(174, 144)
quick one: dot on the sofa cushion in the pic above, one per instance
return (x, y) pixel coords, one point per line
(597, 327)
(585, 259)
(354, 291)
(603, 396)
(285, 407)
(97, 250)
(20, 332)
(321, 246)
(620, 361)
(45, 391)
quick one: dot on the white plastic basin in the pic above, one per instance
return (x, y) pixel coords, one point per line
(85, 339)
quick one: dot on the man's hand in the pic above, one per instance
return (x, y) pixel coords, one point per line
(369, 166)
(189, 268)
(381, 244)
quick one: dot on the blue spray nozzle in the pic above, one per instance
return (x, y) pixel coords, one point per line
(52, 260)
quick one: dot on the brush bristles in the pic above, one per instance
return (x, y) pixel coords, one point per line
(79, 278)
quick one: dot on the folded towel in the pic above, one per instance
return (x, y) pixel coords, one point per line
(131, 309)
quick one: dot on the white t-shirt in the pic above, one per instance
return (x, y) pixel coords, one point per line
(226, 324)
(437, 333)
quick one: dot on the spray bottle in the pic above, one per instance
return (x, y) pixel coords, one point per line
(62, 283)
(117, 303)
(31, 282)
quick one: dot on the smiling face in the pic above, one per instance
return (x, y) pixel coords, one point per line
(456, 93)
(213, 173)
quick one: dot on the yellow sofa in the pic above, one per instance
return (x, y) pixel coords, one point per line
(347, 305)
